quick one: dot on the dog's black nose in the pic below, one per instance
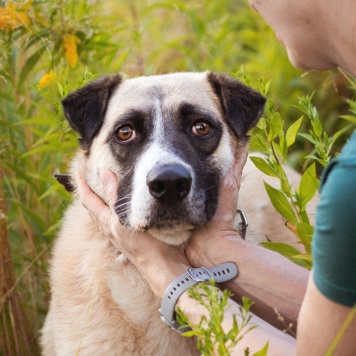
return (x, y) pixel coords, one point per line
(169, 183)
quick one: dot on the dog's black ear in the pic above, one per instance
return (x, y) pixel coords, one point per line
(241, 105)
(85, 108)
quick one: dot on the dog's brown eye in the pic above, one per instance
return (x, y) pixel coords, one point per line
(202, 128)
(126, 133)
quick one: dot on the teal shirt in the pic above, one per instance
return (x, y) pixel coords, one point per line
(334, 242)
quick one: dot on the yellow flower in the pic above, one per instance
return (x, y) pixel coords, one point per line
(70, 49)
(46, 80)
(12, 17)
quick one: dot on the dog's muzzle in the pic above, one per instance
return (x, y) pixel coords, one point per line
(169, 183)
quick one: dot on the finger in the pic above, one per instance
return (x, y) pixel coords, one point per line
(230, 186)
(241, 157)
(110, 183)
(239, 165)
(95, 206)
(228, 194)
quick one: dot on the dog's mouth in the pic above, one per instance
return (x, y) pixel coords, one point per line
(171, 225)
(173, 232)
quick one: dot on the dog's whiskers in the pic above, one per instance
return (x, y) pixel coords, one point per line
(126, 197)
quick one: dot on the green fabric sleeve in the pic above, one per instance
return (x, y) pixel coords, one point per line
(334, 242)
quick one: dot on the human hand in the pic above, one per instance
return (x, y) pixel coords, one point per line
(159, 263)
(207, 245)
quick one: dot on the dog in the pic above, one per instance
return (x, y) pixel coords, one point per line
(170, 139)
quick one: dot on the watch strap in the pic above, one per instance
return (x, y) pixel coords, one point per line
(220, 273)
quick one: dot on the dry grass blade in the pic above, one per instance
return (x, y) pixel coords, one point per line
(16, 337)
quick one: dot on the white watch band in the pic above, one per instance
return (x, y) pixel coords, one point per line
(221, 273)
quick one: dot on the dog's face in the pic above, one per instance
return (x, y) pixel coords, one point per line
(170, 139)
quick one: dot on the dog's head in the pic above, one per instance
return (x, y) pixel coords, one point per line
(170, 139)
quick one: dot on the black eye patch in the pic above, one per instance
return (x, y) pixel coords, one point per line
(189, 114)
(137, 120)
(194, 119)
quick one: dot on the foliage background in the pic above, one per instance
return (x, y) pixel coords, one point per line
(48, 48)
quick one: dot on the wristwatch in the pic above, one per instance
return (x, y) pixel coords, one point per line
(220, 273)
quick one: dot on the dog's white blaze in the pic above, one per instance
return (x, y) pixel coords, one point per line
(142, 200)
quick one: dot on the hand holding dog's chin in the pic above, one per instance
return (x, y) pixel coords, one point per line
(208, 245)
(158, 262)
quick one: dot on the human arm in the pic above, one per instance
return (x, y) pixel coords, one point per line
(321, 322)
(331, 291)
(266, 277)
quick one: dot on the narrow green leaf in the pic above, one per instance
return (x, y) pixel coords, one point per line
(60, 89)
(350, 118)
(304, 257)
(287, 251)
(280, 203)
(311, 157)
(257, 143)
(263, 351)
(267, 86)
(32, 216)
(263, 166)
(302, 263)
(317, 127)
(308, 137)
(308, 186)
(282, 248)
(275, 125)
(292, 132)
(262, 123)
(305, 233)
(30, 64)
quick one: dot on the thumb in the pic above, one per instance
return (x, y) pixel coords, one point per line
(110, 182)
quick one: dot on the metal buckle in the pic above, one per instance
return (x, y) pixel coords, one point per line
(199, 277)
(243, 217)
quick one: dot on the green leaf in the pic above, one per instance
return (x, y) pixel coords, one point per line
(247, 303)
(283, 146)
(308, 186)
(307, 257)
(189, 333)
(292, 132)
(308, 137)
(262, 123)
(60, 89)
(267, 86)
(305, 233)
(30, 64)
(275, 124)
(282, 248)
(257, 143)
(263, 166)
(317, 127)
(287, 251)
(263, 351)
(280, 203)
(351, 118)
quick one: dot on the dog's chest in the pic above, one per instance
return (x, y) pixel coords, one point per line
(140, 306)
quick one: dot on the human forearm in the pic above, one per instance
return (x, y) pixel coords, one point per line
(267, 278)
